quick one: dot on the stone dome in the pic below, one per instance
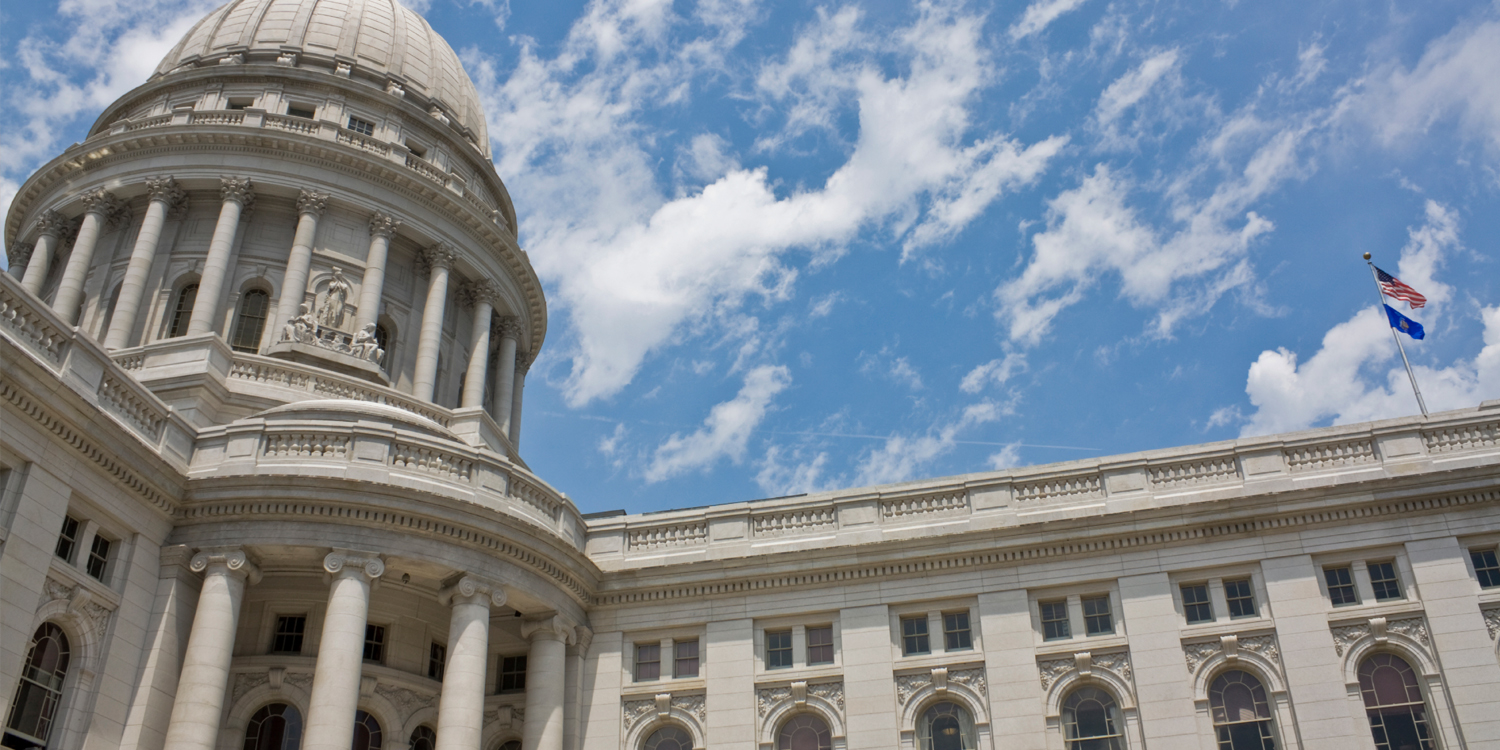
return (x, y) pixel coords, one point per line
(379, 39)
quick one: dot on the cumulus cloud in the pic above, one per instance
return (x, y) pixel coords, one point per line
(789, 471)
(1009, 457)
(995, 371)
(902, 457)
(726, 431)
(1040, 14)
(630, 268)
(1356, 374)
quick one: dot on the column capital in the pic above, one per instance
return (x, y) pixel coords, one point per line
(101, 201)
(583, 636)
(19, 254)
(509, 327)
(481, 290)
(353, 562)
(383, 225)
(164, 188)
(314, 203)
(53, 223)
(441, 255)
(548, 628)
(231, 560)
(523, 362)
(469, 587)
(237, 189)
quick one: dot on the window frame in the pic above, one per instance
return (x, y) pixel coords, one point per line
(437, 660)
(72, 537)
(832, 650)
(776, 651)
(277, 634)
(910, 640)
(1490, 571)
(98, 565)
(350, 118)
(511, 669)
(1346, 588)
(965, 633)
(1201, 608)
(1230, 601)
(1088, 619)
(242, 318)
(678, 660)
(378, 631)
(1383, 587)
(1066, 629)
(639, 662)
(178, 317)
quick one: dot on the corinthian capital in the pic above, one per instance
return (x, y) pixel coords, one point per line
(225, 560)
(509, 327)
(102, 202)
(523, 362)
(53, 223)
(165, 189)
(19, 255)
(468, 587)
(236, 189)
(474, 292)
(354, 560)
(310, 202)
(383, 225)
(440, 255)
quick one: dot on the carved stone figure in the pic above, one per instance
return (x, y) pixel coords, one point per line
(301, 329)
(365, 345)
(331, 313)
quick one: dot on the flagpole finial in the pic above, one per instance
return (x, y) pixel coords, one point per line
(1367, 256)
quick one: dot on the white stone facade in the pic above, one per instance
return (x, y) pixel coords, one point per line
(228, 515)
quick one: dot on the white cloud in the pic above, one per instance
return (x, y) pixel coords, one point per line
(1009, 457)
(631, 269)
(1130, 88)
(896, 369)
(789, 472)
(996, 371)
(902, 457)
(1040, 14)
(725, 432)
(1356, 374)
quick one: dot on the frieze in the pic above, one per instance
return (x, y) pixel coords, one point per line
(1265, 645)
(1084, 662)
(697, 705)
(1262, 645)
(767, 699)
(1414, 628)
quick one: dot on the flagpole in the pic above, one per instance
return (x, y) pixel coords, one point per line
(1381, 292)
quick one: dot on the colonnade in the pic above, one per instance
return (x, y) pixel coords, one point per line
(237, 196)
(554, 661)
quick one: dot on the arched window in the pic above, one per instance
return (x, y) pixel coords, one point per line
(669, 738)
(804, 732)
(423, 738)
(183, 312)
(277, 726)
(1242, 717)
(1393, 701)
(251, 321)
(39, 691)
(383, 338)
(367, 735)
(1092, 721)
(946, 726)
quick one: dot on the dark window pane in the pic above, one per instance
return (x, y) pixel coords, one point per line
(437, 660)
(289, 630)
(183, 312)
(647, 661)
(364, 127)
(1340, 586)
(1055, 624)
(67, 541)
(367, 734)
(778, 649)
(820, 645)
(98, 557)
(956, 635)
(374, 643)
(914, 636)
(1241, 598)
(39, 691)
(251, 321)
(1487, 567)
(1384, 581)
(1195, 603)
(685, 657)
(277, 726)
(512, 674)
(423, 738)
(1097, 616)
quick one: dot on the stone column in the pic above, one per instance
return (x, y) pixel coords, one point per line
(335, 688)
(523, 363)
(439, 260)
(481, 296)
(100, 206)
(509, 330)
(205, 666)
(310, 206)
(573, 688)
(164, 194)
(382, 229)
(18, 258)
(237, 194)
(461, 706)
(546, 668)
(50, 226)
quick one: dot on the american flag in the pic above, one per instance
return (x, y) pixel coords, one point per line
(1398, 289)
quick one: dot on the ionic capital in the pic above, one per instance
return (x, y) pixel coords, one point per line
(474, 292)
(102, 202)
(314, 203)
(165, 189)
(237, 189)
(549, 628)
(472, 588)
(53, 223)
(583, 635)
(383, 225)
(19, 254)
(509, 327)
(225, 561)
(440, 255)
(350, 562)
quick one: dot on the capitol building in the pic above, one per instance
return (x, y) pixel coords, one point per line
(265, 339)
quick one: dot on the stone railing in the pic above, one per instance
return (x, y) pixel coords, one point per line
(275, 373)
(32, 325)
(211, 117)
(1165, 478)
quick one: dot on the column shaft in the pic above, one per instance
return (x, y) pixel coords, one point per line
(41, 262)
(205, 666)
(335, 688)
(216, 266)
(461, 708)
(505, 377)
(517, 386)
(299, 262)
(70, 289)
(164, 192)
(439, 260)
(546, 667)
(479, 355)
(573, 691)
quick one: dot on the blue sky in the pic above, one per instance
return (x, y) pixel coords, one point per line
(802, 246)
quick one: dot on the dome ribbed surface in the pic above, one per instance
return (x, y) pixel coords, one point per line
(380, 37)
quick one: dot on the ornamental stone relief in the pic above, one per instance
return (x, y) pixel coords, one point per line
(244, 682)
(93, 617)
(1084, 662)
(507, 715)
(833, 692)
(636, 711)
(1492, 621)
(406, 701)
(1414, 628)
(939, 677)
(1263, 645)
(767, 699)
(1343, 635)
(1053, 669)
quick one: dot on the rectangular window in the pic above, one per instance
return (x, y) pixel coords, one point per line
(914, 636)
(437, 661)
(778, 649)
(1383, 579)
(68, 540)
(1241, 598)
(375, 643)
(1486, 567)
(1055, 625)
(1097, 618)
(647, 661)
(1195, 603)
(240, 103)
(364, 127)
(685, 658)
(416, 149)
(1340, 586)
(512, 674)
(305, 111)
(956, 635)
(98, 557)
(289, 630)
(820, 645)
